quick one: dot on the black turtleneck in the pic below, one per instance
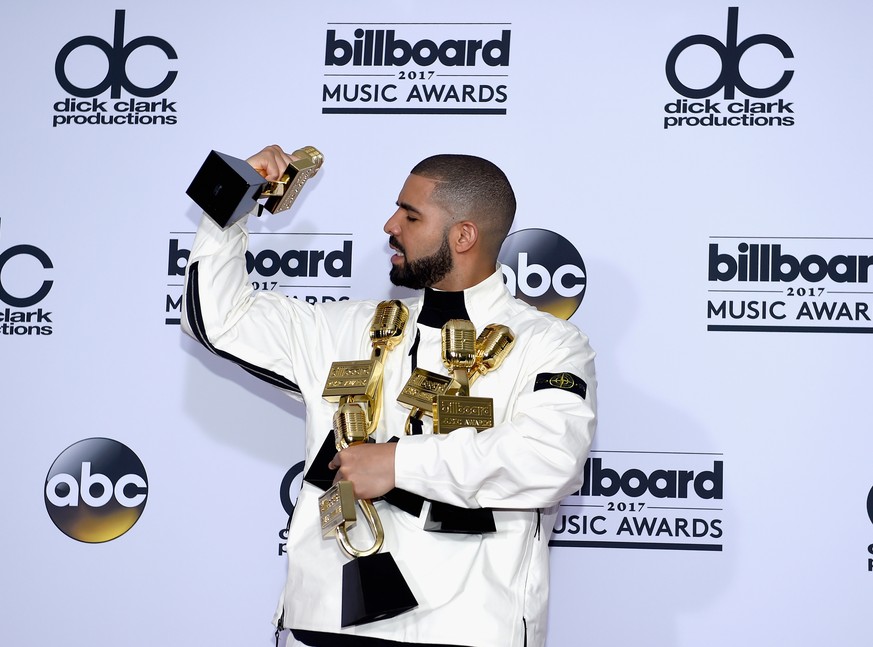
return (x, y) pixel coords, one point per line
(439, 307)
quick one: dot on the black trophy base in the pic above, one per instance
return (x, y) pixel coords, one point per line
(319, 474)
(402, 500)
(226, 188)
(449, 518)
(374, 589)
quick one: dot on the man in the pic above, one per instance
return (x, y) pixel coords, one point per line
(476, 589)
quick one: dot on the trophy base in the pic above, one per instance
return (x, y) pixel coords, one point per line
(226, 188)
(319, 474)
(374, 589)
(449, 518)
(406, 501)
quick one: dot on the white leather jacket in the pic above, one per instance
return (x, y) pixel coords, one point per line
(478, 590)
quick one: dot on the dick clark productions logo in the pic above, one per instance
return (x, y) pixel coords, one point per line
(83, 106)
(730, 79)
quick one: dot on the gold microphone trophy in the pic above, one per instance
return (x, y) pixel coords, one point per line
(373, 586)
(227, 188)
(445, 397)
(448, 400)
(469, 357)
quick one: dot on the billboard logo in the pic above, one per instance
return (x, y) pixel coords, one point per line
(313, 267)
(380, 47)
(421, 68)
(645, 500)
(804, 284)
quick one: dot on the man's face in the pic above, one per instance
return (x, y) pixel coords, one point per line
(418, 233)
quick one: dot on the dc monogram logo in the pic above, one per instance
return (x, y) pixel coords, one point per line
(40, 294)
(730, 52)
(870, 505)
(117, 54)
(290, 488)
(17, 255)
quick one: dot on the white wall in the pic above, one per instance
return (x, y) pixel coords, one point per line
(773, 423)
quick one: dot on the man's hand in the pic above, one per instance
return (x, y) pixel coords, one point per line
(271, 162)
(369, 466)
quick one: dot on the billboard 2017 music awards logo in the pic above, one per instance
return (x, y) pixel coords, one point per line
(810, 285)
(421, 68)
(24, 284)
(648, 500)
(85, 106)
(545, 270)
(685, 66)
(96, 490)
(314, 267)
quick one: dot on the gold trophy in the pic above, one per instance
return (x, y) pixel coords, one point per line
(373, 587)
(469, 357)
(492, 346)
(448, 398)
(227, 188)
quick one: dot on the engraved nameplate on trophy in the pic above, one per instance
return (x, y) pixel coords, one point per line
(452, 412)
(423, 386)
(337, 508)
(356, 378)
(419, 393)
(227, 188)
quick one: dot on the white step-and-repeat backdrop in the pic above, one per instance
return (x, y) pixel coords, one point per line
(694, 192)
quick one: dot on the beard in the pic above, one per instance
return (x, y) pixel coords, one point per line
(424, 272)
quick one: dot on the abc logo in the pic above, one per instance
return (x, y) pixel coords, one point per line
(543, 269)
(730, 52)
(96, 490)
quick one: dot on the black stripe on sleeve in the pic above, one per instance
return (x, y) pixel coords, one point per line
(195, 319)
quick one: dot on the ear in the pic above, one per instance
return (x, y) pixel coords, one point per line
(466, 235)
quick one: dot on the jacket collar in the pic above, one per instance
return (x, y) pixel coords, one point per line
(476, 303)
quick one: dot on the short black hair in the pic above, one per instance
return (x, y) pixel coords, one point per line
(472, 188)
